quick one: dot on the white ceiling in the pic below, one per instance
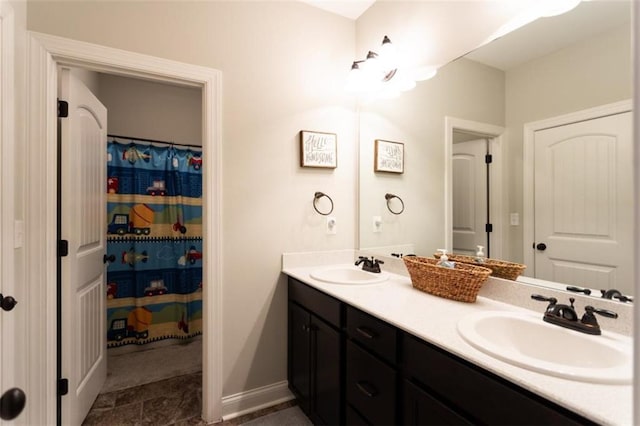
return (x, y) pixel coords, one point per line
(547, 35)
(351, 9)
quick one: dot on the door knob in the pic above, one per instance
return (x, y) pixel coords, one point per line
(541, 246)
(12, 403)
(110, 259)
(7, 303)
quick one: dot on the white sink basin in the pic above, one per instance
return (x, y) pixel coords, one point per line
(348, 275)
(525, 340)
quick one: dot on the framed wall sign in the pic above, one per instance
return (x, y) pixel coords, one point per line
(318, 149)
(388, 157)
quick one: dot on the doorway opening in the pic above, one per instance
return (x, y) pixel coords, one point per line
(152, 295)
(47, 54)
(473, 215)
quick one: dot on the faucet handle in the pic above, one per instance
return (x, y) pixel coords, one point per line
(541, 298)
(378, 261)
(579, 290)
(552, 301)
(604, 312)
(624, 298)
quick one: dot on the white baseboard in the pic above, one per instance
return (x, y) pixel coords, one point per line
(255, 399)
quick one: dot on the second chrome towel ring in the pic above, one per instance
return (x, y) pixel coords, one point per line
(390, 197)
(316, 197)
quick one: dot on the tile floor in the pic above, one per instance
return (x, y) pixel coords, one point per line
(137, 392)
(173, 401)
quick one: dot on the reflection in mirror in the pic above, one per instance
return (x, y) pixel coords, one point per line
(552, 69)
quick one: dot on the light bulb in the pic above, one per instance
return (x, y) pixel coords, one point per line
(354, 79)
(556, 7)
(388, 55)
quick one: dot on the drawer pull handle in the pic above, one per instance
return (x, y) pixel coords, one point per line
(366, 332)
(367, 389)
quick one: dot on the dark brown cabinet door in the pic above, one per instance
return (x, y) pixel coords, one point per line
(299, 366)
(326, 370)
(314, 366)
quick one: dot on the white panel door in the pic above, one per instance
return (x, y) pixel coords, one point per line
(469, 194)
(83, 173)
(584, 203)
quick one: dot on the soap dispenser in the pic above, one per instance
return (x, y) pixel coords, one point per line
(480, 258)
(444, 260)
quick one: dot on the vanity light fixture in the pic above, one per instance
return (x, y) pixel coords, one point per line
(382, 74)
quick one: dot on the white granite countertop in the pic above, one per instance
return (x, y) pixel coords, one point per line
(434, 320)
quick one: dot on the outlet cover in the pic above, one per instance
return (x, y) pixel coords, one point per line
(377, 223)
(331, 225)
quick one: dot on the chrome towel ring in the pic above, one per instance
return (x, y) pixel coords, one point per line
(390, 197)
(316, 197)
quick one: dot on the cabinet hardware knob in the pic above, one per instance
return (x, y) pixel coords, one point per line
(367, 388)
(364, 331)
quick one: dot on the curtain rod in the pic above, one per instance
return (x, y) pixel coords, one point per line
(153, 141)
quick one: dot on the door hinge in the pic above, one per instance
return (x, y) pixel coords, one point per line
(63, 248)
(488, 227)
(63, 387)
(63, 109)
(488, 158)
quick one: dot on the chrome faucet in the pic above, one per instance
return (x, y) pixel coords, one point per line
(566, 316)
(369, 265)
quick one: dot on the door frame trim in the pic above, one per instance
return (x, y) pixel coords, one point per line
(528, 219)
(10, 323)
(495, 133)
(45, 54)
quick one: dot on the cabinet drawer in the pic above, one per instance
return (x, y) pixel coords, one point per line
(370, 386)
(374, 334)
(354, 418)
(484, 397)
(420, 408)
(324, 306)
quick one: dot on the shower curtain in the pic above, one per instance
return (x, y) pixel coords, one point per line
(154, 243)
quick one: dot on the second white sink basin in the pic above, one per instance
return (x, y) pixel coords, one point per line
(527, 341)
(348, 275)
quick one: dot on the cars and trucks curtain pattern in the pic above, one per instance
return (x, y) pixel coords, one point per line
(154, 243)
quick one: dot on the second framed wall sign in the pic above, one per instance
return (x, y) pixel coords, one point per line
(388, 157)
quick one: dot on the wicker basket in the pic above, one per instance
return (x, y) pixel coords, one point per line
(499, 268)
(461, 283)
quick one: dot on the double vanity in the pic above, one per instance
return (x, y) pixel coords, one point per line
(368, 348)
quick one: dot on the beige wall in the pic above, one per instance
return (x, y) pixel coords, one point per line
(284, 65)
(593, 72)
(463, 89)
(145, 109)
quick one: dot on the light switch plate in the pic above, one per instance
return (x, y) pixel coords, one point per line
(514, 219)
